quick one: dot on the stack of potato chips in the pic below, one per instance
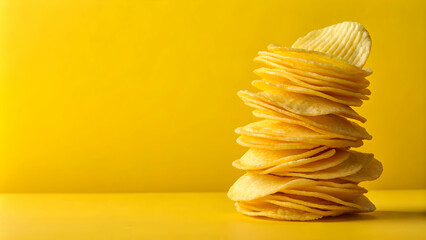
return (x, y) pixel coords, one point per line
(299, 163)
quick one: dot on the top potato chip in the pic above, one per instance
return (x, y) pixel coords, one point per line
(347, 40)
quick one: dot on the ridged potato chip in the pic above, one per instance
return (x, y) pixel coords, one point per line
(319, 57)
(347, 40)
(311, 66)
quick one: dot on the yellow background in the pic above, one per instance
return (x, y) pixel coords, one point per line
(126, 96)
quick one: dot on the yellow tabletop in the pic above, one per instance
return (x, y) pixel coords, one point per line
(399, 215)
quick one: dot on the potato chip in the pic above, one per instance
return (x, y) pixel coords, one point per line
(284, 131)
(267, 114)
(316, 56)
(352, 165)
(283, 77)
(276, 212)
(300, 207)
(263, 143)
(266, 86)
(306, 105)
(256, 158)
(253, 186)
(371, 171)
(277, 130)
(312, 66)
(361, 203)
(313, 77)
(340, 193)
(330, 123)
(287, 166)
(336, 159)
(310, 202)
(347, 40)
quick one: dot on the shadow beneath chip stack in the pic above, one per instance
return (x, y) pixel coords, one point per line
(377, 215)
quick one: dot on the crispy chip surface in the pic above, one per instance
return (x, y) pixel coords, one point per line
(315, 78)
(371, 171)
(256, 158)
(270, 144)
(268, 85)
(276, 212)
(282, 131)
(353, 164)
(329, 122)
(347, 40)
(288, 166)
(283, 77)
